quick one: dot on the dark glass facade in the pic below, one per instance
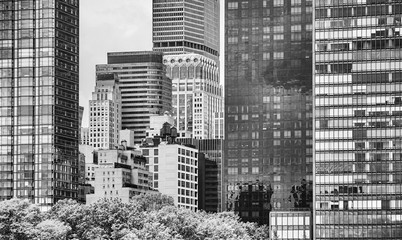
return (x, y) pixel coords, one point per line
(251, 201)
(39, 100)
(207, 184)
(268, 99)
(358, 92)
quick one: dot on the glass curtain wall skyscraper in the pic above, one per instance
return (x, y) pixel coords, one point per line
(186, 26)
(39, 100)
(268, 100)
(358, 123)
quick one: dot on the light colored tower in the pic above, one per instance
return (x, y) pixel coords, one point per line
(197, 94)
(39, 100)
(105, 112)
(358, 123)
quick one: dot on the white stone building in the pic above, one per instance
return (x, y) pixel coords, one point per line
(105, 112)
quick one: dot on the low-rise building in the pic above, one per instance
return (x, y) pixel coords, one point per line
(127, 136)
(91, 162)
(209, 172)
(173, 167)
(121, 174)
(156, 122)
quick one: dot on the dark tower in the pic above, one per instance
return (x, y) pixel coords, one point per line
(268, 97)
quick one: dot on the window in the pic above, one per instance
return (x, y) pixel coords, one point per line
(296, 37)
(232, 40)
(295, 10)
(244, 170)
(278, 3)
(255, 170)
(278, 29)
(244, 56)
(296, 28)
(279, 55)
(145, 152)
(295, 2)
(233, 5)
(232, 171)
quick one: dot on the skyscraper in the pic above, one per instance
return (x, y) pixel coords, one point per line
(39, 100)
(186, 26)
(187, 32)
(145, 89)
(358, 92)
(268, 100)
(105, 112)
(196, 93)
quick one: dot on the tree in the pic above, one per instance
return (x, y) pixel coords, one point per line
(111, 216)
(149, 216)
(18, 219)
(152, 201)
(51, 230)
(72, 214)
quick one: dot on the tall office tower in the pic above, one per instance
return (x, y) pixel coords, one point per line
(105, 112)
(145, 89)
(39, 100)
(358, 92)
(268, 100)
(197, 93)
(186, 26)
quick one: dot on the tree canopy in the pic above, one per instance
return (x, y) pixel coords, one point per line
(147, 216)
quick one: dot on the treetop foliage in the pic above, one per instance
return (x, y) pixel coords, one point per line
(146, 216)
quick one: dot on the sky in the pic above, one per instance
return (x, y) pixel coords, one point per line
(112, 26)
